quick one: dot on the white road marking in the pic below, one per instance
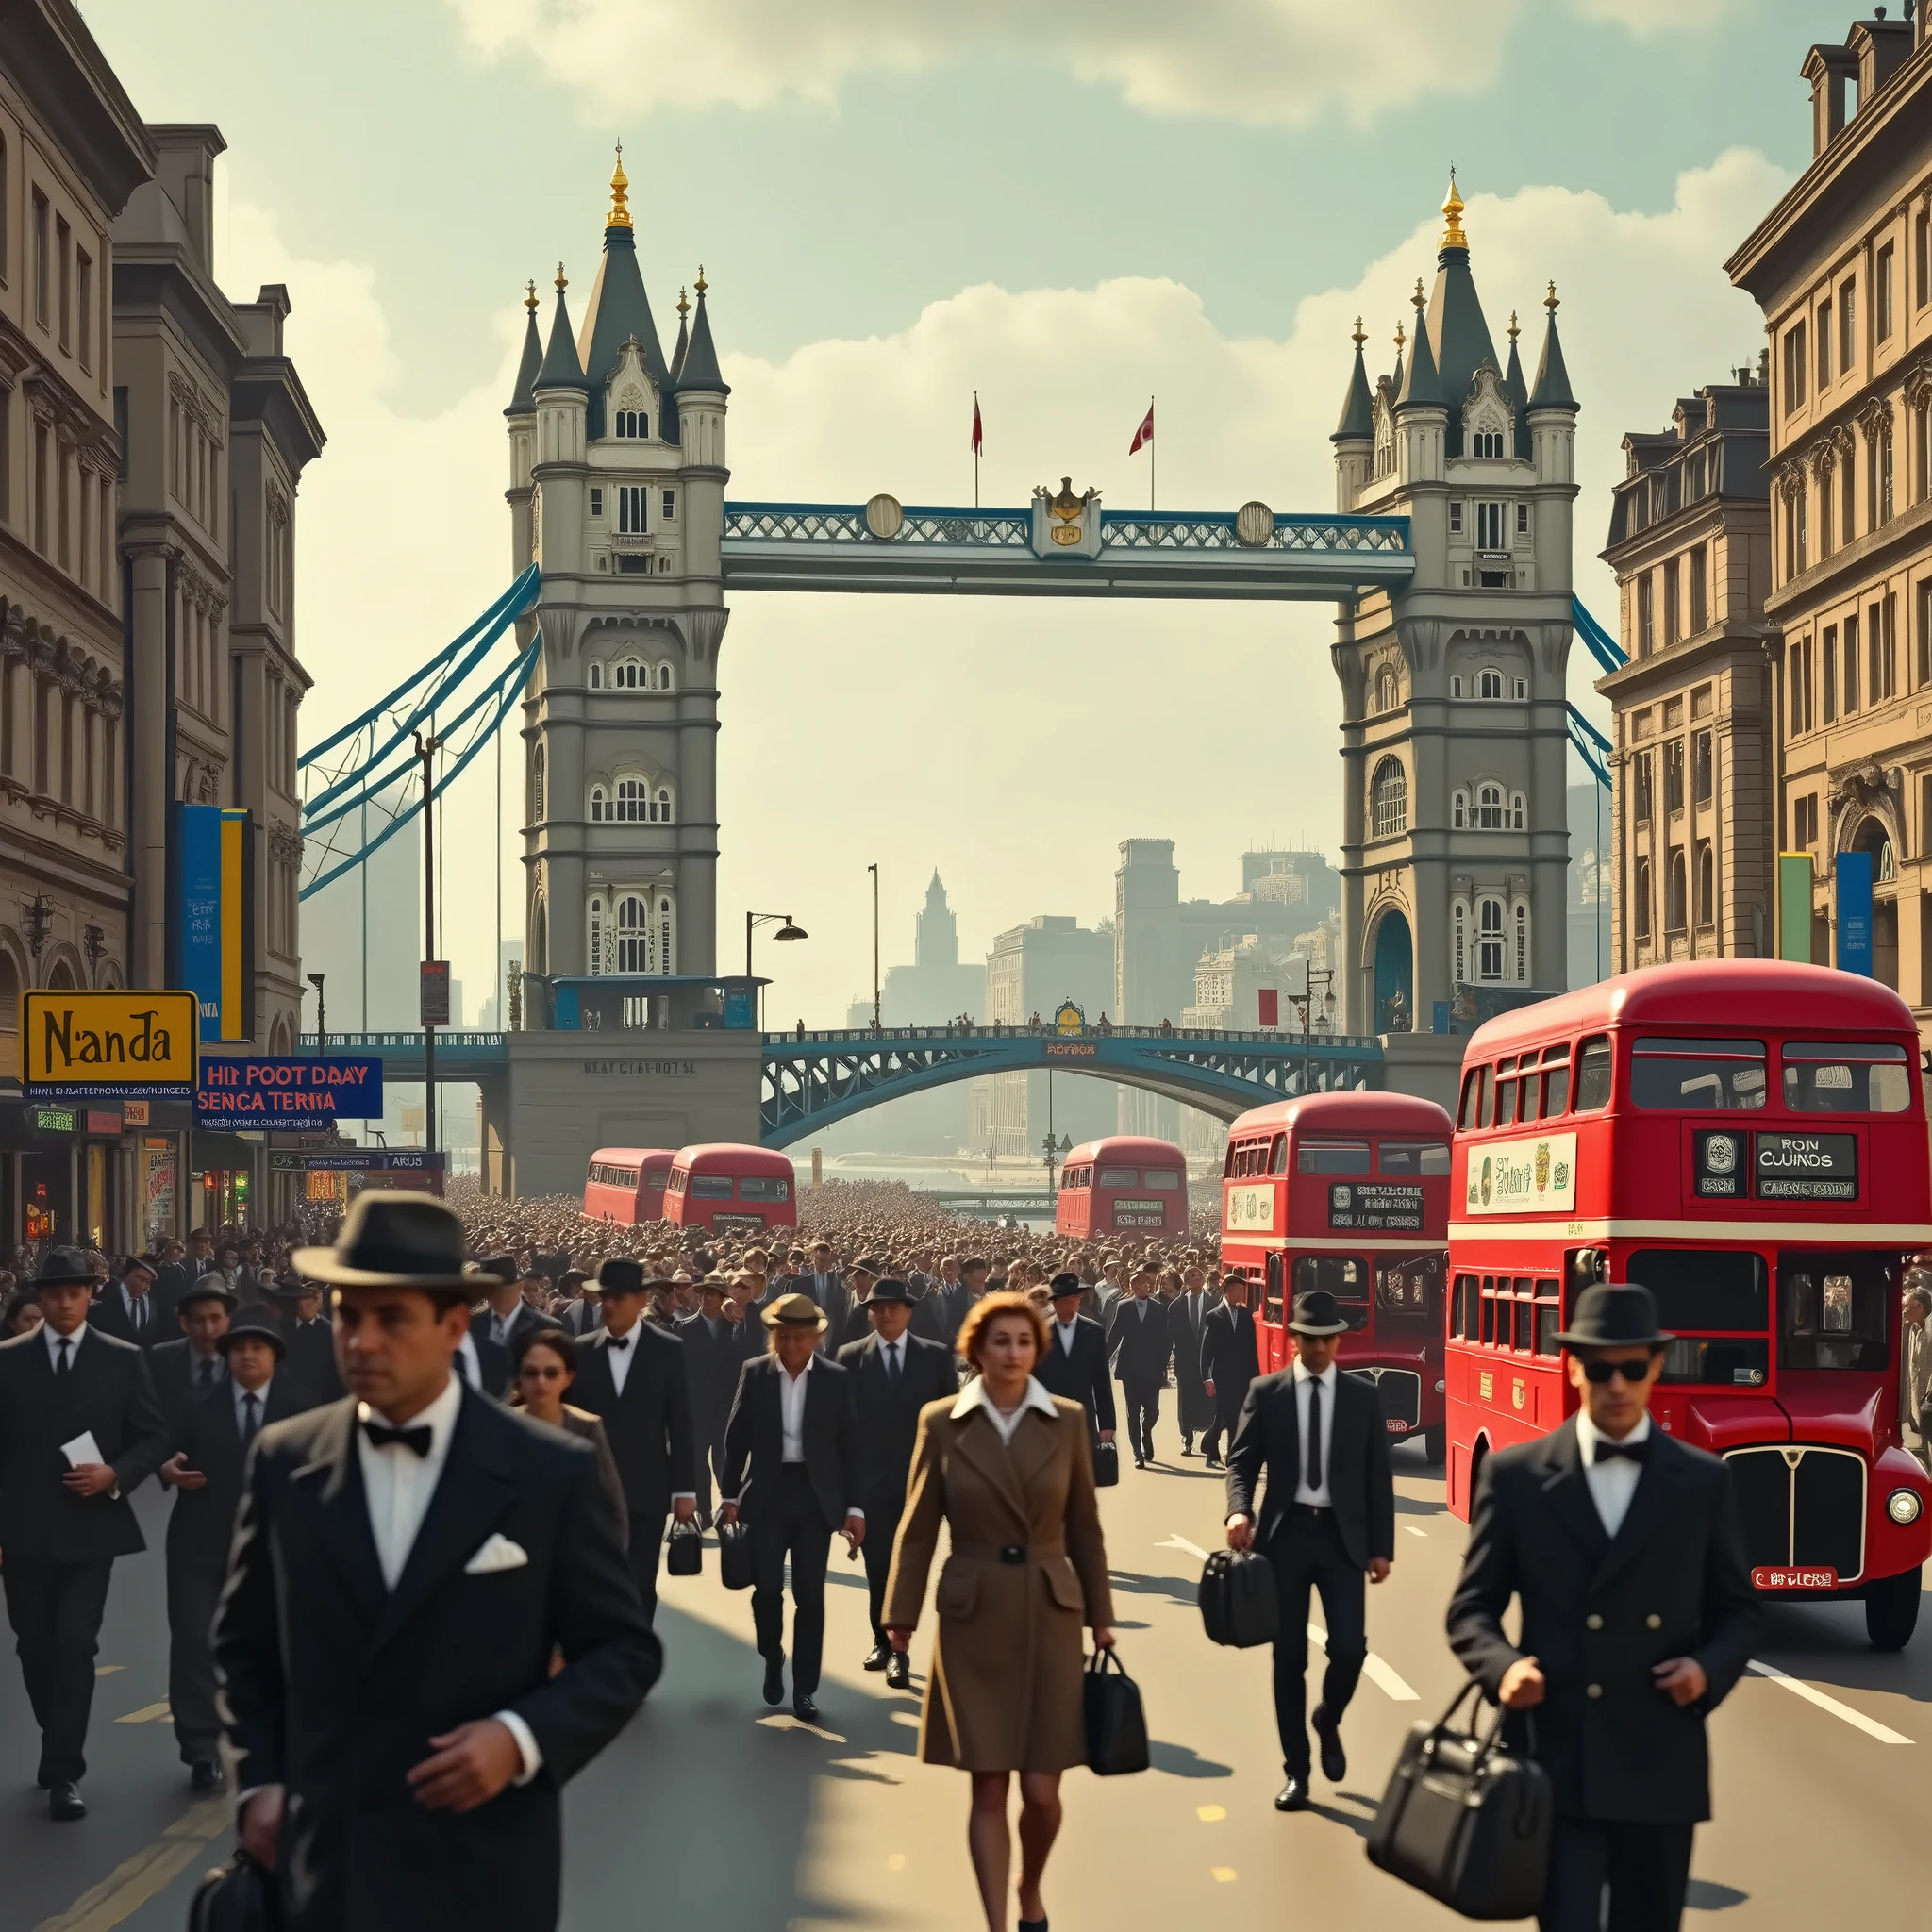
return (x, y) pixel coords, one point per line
(1798, 1687)
(147, 1714)
(1413, 1530)
(1223, 1874)
(107, 1670)
(1180, 1543)
(778, 1720)
(1211, 1814)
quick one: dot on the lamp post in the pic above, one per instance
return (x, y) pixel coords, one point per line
(788, 929)
(878, 1024)
(315, 980)
(1307, 1002)
(427, 750)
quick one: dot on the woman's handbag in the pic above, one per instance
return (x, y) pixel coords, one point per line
(1107, 1465)
(240, 1897)
(734, 1555)
(684, 1550)
(1240, 1605)
(1116, 1725)
(1466, 1820)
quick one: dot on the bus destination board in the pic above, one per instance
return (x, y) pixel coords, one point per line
(1139, 1214)
(1807, 1167)
(1375, 1206)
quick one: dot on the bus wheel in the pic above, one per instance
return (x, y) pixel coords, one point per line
(1891, 1610)
(1436, 1443)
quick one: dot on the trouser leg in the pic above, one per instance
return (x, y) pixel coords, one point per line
(706, 1449)
(768, 1535)
(809, 1541)
(1291, 1581)
(1579, 1864)
(1344, 1609)
(1649, 1871)
(646, 1542)
(193, 1591)
(30, 1596)
(881, 1530)
(70, 1609)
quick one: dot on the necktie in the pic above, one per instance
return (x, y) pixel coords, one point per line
(61, 1361)
(208, 1373)
(1314, 1434)
(1608, 1452)
(892, 1362)
(418, 1439)
(138, 1303)
(251, 1418)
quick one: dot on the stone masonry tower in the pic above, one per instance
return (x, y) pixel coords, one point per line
(617, 491)
(1454, 839)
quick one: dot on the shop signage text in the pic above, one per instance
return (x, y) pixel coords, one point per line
(101, 1046)
(287, 1093)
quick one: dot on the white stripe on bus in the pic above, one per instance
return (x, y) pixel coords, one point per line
(1863, 1233)
(1386, 1244)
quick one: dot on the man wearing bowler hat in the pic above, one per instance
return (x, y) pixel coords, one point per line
(894, 1374)
(634, 1374)
(790, 1469)
(79, 1429)
(1074, 1364)
(407, 1564)
(1626, 1550)
(1328, 1517)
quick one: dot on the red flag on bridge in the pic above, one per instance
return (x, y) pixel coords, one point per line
(979, 436)
(1146, 432)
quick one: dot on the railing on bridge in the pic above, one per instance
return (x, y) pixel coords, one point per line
(848, 1036)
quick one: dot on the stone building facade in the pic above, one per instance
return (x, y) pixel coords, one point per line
(1842, 268)
(1693, 822)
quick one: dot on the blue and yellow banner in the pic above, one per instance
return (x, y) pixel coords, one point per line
(216, 929)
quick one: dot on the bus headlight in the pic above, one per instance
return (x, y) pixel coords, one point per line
(1903, 1505)
(1441, 1387)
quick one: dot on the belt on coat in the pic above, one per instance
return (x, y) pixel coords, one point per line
(1011, 1553)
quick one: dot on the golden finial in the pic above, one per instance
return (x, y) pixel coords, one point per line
(1358, 337)
(562, 281)
(683, 307)
(700, 285)
(1400, 338)
(1514, 331)
(530, 300)
(1550, 302)
(1453, 235)
(619, 216)
(1420, 300)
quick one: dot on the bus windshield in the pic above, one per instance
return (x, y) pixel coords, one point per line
(1697, 1076)
(1833, 1309)
(1823, 1076)
(1344, 1277)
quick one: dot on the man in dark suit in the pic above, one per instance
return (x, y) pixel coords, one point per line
(823, 1281)
(1074, 1364)
(964, 1293)
(1328, 1517)
(712, 1354)
(894, 1374)
(1628, 1552)
(1139, 1345)
(211, 1438)
(1230, 1359)
(509, 1313)
(407, 1564)
(126, 1308)
(633, 1375)
(79, 1429)
(193, 1361)
(173, 1277)
(311, 1340)
(790, 1467)
(1187, 1314)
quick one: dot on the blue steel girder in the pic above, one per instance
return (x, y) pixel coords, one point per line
(828, 1077)
(803, 546)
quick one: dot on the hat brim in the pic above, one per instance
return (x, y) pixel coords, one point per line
(319, 1264)
(888, 1301)
(1567, 1338)
(773, 1320)
(1318, 1328)
(40, 1281)
(229, 1337)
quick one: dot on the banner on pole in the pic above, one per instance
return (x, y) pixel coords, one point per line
(1854, 872)
(1794, 905)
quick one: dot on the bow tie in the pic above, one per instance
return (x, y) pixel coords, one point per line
(418, 1439)
(1608, 1452)
(617, 1342)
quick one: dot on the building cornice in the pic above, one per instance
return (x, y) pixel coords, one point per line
(1688, 657)
(72, 90)
(1828, 579)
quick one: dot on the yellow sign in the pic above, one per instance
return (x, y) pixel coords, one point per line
(103, 1045)
(1486, 1386)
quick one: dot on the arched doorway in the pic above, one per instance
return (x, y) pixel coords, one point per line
(1394, 1007)
(1875, 840)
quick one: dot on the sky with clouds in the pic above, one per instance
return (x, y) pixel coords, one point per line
(1065, 207)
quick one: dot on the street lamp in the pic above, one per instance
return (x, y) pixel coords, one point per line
(427, 750)
(315, 980)
(788, 929)
(877, 1025)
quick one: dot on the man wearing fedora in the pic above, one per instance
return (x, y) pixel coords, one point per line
(211, 1435)
(634, 1374)
(80, 1427)
(1074, 1364)
(1626, 1551)
(193, 1361)
(128, 1309)
(507, 1313)
(1230, 1360)
(792, 1471)
(407, 1563)
(1327, 1519)
(894, 1374)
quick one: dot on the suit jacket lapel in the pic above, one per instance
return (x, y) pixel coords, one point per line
(1035, 1443)
(342, 1508)
(1650, 1508)
(1568, 1491)
(978, 1442)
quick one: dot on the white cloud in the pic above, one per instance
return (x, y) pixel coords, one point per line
(1644, 18)
(1012, 743)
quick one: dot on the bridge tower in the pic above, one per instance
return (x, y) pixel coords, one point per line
(1454, 839)
(617, 489)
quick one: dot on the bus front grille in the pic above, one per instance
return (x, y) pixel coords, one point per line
(1402, 1393)
(1802, 1505)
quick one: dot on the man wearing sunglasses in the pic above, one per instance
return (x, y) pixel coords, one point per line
(1638, 1615)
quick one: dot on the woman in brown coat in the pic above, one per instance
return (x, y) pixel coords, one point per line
(1008, 1468)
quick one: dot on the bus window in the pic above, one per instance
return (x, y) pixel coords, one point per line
(1506, 1093)
(1731, 1361)
(1833, 1311)
(1333, 1156)
(1705, 1288)
(1227, 1164)
(1828, 1078)
(710, 1187)
(1162, 1181)
(1698, 1075)
(1549, 1319)
(1593, 1074)
(1472, 1098)
(1344, 1277)
(1120, 1177)
(759, 1187)
(1525, 1105)
(1278, 1160)
(1555, 1082)
(1459, 1305)
(1271, 1290)
(1414, 1156)
(1406, 1293)
(1488, 1331)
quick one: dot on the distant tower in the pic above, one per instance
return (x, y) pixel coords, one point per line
(617, 489)
(936, 931)
(1455, 843)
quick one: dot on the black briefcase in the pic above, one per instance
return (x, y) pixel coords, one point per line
(1107, 1465)
(1466, 1820)
(1240, 1605)
(734, 1555)
(239, 1897)
(684, 1550)
(1116, 1725)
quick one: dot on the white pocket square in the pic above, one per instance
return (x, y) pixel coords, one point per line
(499, 1553)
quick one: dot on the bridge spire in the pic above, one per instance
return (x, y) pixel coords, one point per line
(619, 216)
(1453, 235)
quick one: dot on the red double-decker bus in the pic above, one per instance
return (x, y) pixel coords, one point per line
(626, 1184)
(731, 1188)
(1123, 1183)
(1747, 1139)
(1348, 1193)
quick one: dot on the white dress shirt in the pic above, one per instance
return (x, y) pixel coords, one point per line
(893, 1354)
(1067, 1330)
(1613, 1483)
(260, 1395)
(791, 1409)
(141, 1310)
(1317, 1495)
(471, 1370)
(975, 1396)
(503, 1326)
(619, 1353)
(54, 1342)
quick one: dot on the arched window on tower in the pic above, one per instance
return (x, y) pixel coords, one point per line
(631, 799)
(1488, 684)
(1675, 894)
(1519, 914)
(1488, 809)
(633, 935)
(537, 787)
(631, 422)
(1388, 690)
(1489, 939)
(627, 674)
(1640, 895)
(660, 813)
(599, 935)
(1488, 443)
(664, 677)
(600, 805)
(1519, 811)
(595, 678)
(1388, 797)
(1458, 810)
(1707, 885)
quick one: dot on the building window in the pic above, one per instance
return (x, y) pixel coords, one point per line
(1794, 368)
(1488, 526)
(663, 677)
(1388, 690)
(1851, 665)
(1925, 645)
(632, 423)
(667, 507)
(627, 674)
(660, 806)
(1847, 326)
(1523, 520)
(1456, 687)
(1674, 884)
(1459, 940)
(1825, 512)
(1488, 809)
(84, 277)
(1488, 443)
(633, 936)
(629, 809)
(1640, 895)
(1389, 795)
(1828, 683)
(1458, 810)
(1823, 344)
(1883, 647)
(1456, 519)
(1700, 606)
(1848, 496)
(1878, 445)
(536, 788)
(598, 929)
(1488, 939)
(1519, 689)
(1519, 811)
(1639, 767)
(1707, 885)
(600, 805)
(597, 501)
(1674, 776)
(1488, 684)
(1881, 294)
(63, 257)
(1673, 589)
(1805, 820)
(630, 509)
(1922, 255)
(1646, 631)
(1701, 761)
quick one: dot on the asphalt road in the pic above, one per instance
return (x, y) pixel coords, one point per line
(712, 1809)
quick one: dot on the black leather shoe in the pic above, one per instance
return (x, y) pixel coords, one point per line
(207, 1776)
(899, 1672)
(64, 1802)
(1140, 1462)
(1187, 1445)
(1215, 1462)
(1328, 1735)
(774, 1680)
(1292, 1796)
(878, 1657)
(804, 1709)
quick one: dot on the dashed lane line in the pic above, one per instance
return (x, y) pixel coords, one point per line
(149, 1872)
(1413, 1530)
(147, 1714)
(1798, 1687)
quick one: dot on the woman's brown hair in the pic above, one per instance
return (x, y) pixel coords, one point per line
(988, 1309)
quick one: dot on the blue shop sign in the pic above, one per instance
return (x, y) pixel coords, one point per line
(288, 1096)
